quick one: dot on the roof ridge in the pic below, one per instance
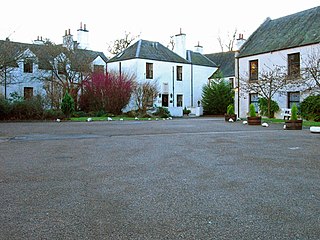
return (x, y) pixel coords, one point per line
(138, 48)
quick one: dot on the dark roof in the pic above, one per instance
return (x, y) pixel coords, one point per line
(225, 62)
(299, 29)
(148, 50)
(45, 53)
(196, 58)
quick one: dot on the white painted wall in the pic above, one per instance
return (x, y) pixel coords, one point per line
(269, 60)
(194, 77)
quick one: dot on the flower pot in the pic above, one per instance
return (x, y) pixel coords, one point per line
(254, 120)
(228, 116)
(293, 124)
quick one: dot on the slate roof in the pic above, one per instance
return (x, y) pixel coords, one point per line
(225, 62)
(199, 59)
(299, 29)
(43, 52)
(144, 49)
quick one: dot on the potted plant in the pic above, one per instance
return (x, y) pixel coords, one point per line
(230, 113)
(186, 111)
(294, 123)
(253, 119)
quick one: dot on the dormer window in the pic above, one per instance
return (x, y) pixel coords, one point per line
(27, 66)
(61, 68)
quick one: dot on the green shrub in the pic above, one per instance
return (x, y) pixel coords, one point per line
(310, 108)
(216, 96)
(5, 108)
(53, 114)
(263, 106)
(252, 110)
(186, 111)
(162, 112)
(67, 105)
(230, 109)
(294, 112)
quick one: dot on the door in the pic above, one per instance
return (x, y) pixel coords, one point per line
(165, 98)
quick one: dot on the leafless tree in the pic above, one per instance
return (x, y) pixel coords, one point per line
(9, 55)
(311, 70)
(270, 81)
(230, 42)
(121, 44)
(144, 94)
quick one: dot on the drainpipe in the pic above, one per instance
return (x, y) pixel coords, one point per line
(191, 85)
(5, 82)
(173, 86)
(238, 83)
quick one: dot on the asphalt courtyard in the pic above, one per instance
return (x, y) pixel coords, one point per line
(199, 178)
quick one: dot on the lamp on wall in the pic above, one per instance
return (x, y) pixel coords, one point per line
(171, 95)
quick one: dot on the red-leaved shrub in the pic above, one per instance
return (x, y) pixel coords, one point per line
(109, 92)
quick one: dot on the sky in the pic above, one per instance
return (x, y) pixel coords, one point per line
(202, 21)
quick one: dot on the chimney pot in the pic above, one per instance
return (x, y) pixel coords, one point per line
(69, 32)
(80, 25)
(85, 26)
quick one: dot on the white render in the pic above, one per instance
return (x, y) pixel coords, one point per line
(194, 77)
(269, 60)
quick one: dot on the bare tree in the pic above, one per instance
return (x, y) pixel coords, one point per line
(9, 55)
(171, 43)
(121, 44)
(68, 68)
(230, 42)
(311, 71)
(144, 94)
(269, 82)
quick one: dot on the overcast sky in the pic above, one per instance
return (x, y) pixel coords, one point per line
(107, 20)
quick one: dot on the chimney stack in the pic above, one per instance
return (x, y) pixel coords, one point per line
(240, 42)
(180, 44)
(83, 37)
(198, 48)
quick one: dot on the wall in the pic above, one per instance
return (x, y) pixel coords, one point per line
(270, 60)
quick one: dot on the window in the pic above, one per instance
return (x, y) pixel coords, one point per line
(28, 93)
(254, 98)
(253, 70)
(179, 73)
(149, 70)
(98, 68)
(179, 100)
(231, 82)
(294, 65)
(61, 68)
(293, 97)
(28, 66)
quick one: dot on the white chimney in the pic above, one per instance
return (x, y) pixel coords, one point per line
(83, 37)
(180, 44)
(240, 42)
(39, 41)
(198, 48)
(68, 40)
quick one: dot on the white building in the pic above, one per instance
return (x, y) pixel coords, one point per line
(180, 74)
(23, 66)
(286, 42)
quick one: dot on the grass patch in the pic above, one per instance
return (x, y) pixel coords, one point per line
(305, 122)
(84, 119)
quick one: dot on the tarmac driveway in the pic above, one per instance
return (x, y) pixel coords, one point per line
(196, 178)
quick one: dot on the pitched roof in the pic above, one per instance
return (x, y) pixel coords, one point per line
(299, 29)
(196, 58)
(144, 49)
(44, 53)
(225, 62)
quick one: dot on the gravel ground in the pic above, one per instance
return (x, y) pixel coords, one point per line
(198, 178)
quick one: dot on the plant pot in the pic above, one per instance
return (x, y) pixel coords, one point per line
(254, 120)
(293, 124)
(228, 116)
